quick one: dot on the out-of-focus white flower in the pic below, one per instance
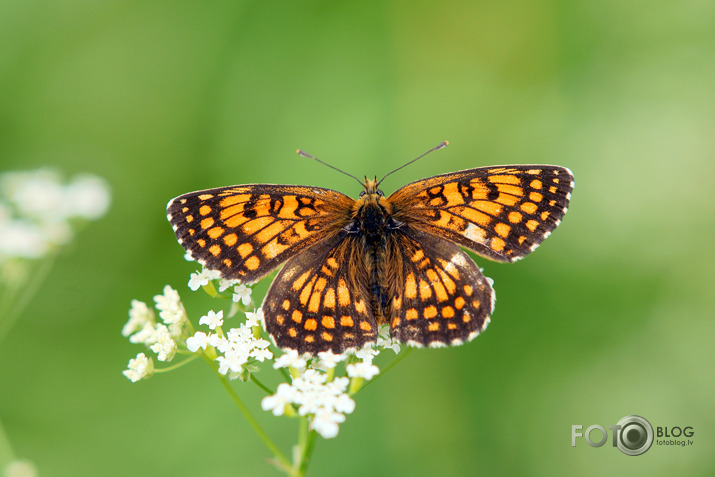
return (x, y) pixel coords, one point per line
(22, 239)
(87, 197)
(291, 359)
(165, 347)
(212, 319)
(36, 210)
(199, 340)
(38, 194)
(242, 293)
(363, 370)
(139, 314)
(20, 468)
(140, 367)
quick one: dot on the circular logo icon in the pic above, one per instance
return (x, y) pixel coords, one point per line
(635, 435)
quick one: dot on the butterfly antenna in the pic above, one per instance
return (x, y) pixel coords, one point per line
(305, 154)
(441, 145)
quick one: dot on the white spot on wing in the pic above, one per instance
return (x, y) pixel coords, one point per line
(457, 259)
(474, 233)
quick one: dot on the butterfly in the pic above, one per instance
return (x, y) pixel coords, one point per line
(352, 265)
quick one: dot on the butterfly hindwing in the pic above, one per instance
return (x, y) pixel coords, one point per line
(502, 213)
(246, 231)
(444, 299)
(320, 301)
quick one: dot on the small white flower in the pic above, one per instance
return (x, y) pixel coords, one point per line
(199, 340)
(261, 354)
(254, 319)
(388, 343)
(329, 360)
(285, 395)
(212, 319)
(367, 353)
(165, 346)
(139, 314)
(197, 280)
(242, 293)
(343, 403)
(226, 283)
(291, 359)
(364, 370)
(147, 335)
(326, 423)
(140, 367)
(169, 305)
(231, 362)
(202, 278)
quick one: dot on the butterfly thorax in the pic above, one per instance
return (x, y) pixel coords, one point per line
(371, 217)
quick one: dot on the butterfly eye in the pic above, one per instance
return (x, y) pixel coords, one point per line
(380, 193)
(362, 193)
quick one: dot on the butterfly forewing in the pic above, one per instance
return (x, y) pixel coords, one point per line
(502, 213)
(320, 301)
(444, 299)
(246, 231)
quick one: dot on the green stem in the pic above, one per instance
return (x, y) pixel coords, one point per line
(177, 365)
(307, 440)
(260, 384)
(249, 417)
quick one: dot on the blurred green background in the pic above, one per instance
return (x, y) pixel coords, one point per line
(613, 315)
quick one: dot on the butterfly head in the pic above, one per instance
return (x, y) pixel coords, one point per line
(370, 191)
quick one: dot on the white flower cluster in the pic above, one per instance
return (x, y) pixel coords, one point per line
(312, 393)
(238, 345)
(36, 210)
(161, 338)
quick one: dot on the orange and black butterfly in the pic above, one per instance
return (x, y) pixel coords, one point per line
(352, 265)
